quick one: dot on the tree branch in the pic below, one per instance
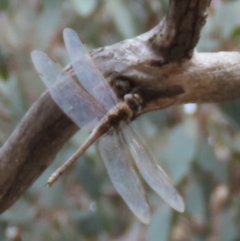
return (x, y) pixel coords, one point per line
(156, 66)
(178, 33)
(32, 147)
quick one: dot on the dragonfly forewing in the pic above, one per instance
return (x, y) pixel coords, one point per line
(46, 67)
(153, 174)
(117, 160)
(87, 72)
(74, 46)
(74, 101)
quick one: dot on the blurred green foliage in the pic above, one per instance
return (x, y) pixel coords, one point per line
(199, 150)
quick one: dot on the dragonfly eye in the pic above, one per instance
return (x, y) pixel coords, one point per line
(123, 86)
(134, 101)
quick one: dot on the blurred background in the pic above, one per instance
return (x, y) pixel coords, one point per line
(197, 145)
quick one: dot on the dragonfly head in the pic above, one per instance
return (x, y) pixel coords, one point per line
(123, 86)
(134, 102)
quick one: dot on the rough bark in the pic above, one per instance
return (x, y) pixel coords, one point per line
(162, 69)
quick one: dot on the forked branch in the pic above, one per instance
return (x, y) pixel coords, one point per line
(161, 68)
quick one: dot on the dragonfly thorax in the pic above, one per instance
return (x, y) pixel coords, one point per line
(125, 110)
(134, 102)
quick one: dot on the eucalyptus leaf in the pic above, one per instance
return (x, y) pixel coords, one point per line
(3, 227)
(4, 4)
(229, 229)
(84, 7)
(20, 213)
(195, 202)
(4, 72)
(232, 110)
(160, 226)
(122, 17)
(89, 179)
(208, 162)
(90, 224)
(181, 149)
(48, 22)
(236, 33)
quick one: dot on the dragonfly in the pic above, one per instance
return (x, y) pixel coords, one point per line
(90, 102)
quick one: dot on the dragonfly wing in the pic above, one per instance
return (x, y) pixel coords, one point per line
(67, 94)
(87, 72)
(153, 174)
(117, 160)
(46, 67)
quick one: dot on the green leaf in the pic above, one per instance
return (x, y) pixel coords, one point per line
(208, 162)
(236, 32)
(20, 213)
(3, 227)
(232, 110)
(89, 223)
(195, 204)
(48, 22)
(84, 7)
(229, 229)
(89, 178)
(4, 4)
(122, 17)
(181, 149)
(160, 226)
(4, 72)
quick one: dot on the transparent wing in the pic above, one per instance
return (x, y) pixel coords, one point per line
(68, 95)
(117, 160)
(153, 174)
(86, 71)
